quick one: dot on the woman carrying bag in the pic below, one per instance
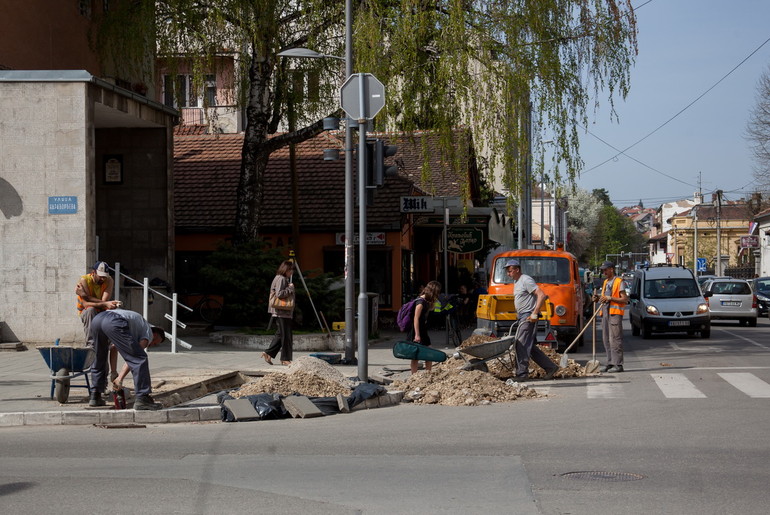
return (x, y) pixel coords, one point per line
(281, 306)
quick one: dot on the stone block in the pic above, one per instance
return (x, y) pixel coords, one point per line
(43, 418)
(300, 406)
(72, 418)
(11, 419)
(151, 417)
(342, 403)
(206, 413)
(122, 416)
(183, 415)
(242, 409)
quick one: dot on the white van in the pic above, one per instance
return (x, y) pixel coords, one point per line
(667, 299)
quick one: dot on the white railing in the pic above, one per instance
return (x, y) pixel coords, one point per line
(145, 284)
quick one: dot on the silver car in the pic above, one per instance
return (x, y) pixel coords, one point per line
(732, 299)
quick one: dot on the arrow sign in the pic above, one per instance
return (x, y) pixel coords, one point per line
(362, 96)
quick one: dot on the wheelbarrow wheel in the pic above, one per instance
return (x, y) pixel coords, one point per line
(62, 389)
(478, 364)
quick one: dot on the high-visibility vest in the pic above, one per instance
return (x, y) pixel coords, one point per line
(616, 308)
(95, 290)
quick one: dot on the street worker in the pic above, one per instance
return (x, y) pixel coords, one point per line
(528, 299)
(613, 300)
(117, 383)
(131, 334)
(94, 291)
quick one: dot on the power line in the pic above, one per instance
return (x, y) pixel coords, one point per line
(623, 152)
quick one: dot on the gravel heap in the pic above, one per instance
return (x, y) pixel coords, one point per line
(447, 385)
(306, 376)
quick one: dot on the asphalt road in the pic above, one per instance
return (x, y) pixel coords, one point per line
(683, 430)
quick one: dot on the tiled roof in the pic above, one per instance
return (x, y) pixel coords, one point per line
(189, 130)
(207, 168)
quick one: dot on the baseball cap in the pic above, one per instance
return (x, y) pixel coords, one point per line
(102, 269)
(607, 264)
(512, 262)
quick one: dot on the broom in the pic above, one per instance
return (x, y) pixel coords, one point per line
(563, 362)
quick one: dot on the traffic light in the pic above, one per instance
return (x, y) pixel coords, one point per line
(381, 151)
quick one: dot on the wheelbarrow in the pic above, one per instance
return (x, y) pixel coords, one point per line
(483, 352)
(67, 363)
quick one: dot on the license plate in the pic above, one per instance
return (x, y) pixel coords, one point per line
(678, 323)
(731, 303)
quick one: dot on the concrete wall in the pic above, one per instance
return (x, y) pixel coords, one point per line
(45, 139)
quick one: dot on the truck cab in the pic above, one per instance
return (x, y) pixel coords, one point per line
(555, 272)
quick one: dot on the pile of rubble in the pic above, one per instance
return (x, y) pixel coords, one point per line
(307, 375)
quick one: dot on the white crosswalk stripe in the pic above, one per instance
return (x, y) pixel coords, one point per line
(748, 383)
(604, 388)
(677, 386)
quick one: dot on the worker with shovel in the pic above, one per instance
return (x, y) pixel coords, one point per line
(529, 299)
(613, 300)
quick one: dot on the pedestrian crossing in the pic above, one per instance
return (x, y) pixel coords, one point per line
(665, 385)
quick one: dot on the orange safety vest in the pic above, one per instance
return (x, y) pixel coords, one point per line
(616, 308)
(95, 290)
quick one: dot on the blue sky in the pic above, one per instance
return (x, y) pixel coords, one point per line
(685, 48)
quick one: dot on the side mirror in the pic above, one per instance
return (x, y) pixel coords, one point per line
(634, 296)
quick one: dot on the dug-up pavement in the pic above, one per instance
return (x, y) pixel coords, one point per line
(25, 382)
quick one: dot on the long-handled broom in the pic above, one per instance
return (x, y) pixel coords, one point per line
(563, 361)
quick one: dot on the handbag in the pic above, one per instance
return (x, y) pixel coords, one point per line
(279, 303)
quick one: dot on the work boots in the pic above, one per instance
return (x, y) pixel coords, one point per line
(96, 400)
(145, 402)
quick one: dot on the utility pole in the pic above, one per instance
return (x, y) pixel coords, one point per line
(719, 233)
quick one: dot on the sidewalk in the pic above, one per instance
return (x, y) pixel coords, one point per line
(25, 383)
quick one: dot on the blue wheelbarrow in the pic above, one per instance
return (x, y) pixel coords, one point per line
(67, 363)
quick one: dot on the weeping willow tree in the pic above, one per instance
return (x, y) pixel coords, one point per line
(513, 71)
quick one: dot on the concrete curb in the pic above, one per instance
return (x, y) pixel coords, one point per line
(108, 417)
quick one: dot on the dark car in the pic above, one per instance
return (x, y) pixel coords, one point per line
(762, 290)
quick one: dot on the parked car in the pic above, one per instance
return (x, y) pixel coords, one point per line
(732, 299)
(667, 299)
(703, 278)
(762, 291)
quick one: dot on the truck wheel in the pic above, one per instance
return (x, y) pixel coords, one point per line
(706, 333)
(646, 331)
(62, 388)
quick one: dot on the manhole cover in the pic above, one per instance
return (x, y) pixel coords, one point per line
(600, 475)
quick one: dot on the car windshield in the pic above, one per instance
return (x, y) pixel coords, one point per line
(762, 284)
(670, 288)
(731, 288)
(548, 270)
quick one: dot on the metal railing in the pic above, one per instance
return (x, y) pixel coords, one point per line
(146, 290)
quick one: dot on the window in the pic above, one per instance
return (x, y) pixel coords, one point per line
(178, 91)
(541, 269)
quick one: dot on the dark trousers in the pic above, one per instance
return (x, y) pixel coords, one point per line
(282, 340)
(108, 327)
(526, 348)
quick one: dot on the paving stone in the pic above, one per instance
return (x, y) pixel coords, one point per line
(150, 416)
(375, 378)
(183, 414)
(81, 417)
(43, 418)
(242, 409)
(11, 419)
(300, 406)
(391, 398)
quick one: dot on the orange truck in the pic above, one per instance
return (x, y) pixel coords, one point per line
(556, 273)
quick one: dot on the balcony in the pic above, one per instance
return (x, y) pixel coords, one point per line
(224, 119)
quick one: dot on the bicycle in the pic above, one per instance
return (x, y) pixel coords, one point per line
(206, 308)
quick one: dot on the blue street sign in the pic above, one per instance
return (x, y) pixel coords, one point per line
(700, 265)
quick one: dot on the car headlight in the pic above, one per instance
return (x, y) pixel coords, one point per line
(763, 298)
(561, 310)
(702, 308)
(652, 310)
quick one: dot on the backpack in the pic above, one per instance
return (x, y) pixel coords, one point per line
(406, 315)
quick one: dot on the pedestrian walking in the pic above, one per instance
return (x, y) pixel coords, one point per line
(281, 306)
(418, 331)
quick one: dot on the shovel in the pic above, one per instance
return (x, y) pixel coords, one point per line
(563, 362)
(592, 367)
